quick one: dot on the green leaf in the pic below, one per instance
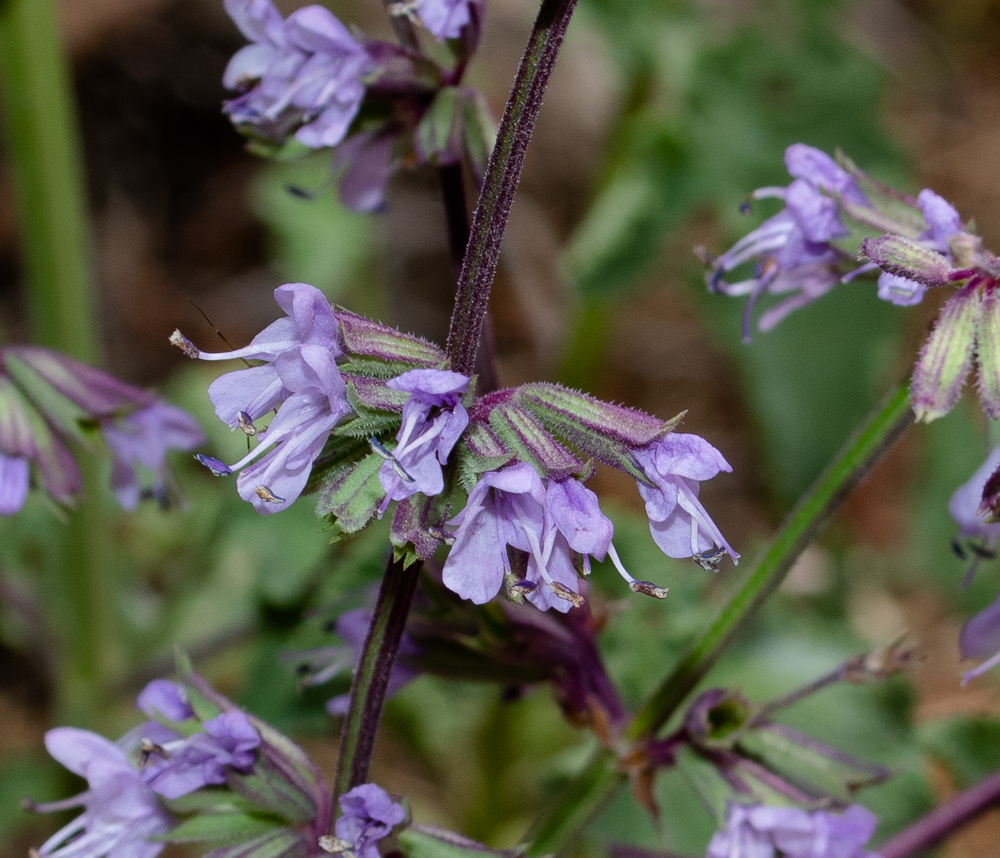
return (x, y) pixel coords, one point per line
(424, 842)
(230, 827)
(284, 843)
(809, 764)
(436, 137)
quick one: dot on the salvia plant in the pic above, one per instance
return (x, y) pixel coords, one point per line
(489, 495)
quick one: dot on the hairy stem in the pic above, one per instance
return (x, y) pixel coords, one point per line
(812, 514)
(357, 739)
(502, 176)
(944, 821)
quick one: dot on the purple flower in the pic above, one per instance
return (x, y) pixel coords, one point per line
(965, 505)
(433, 420)
(14, 474)
(512, 508)
(368, 815)
(257, 390)
(316, 401)
(143, 439)
(178, 765)
(120, 810)
(794, 247)
(166, 699)
(761, 831)
(675, 464)
(445, 19)
(304, 74)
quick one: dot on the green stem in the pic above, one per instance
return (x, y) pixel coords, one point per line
(357, 738)
(45, 161)
(803, 526)
(45, 158)
(806, 522)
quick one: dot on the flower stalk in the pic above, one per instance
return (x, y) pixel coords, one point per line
(944, 821)
(503, 174)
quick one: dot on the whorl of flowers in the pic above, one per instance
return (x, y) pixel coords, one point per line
(368, 416)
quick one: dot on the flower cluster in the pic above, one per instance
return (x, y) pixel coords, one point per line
(831, 212)
(51, 404)
(126, 779)
(307, 77)
(380, 417)
(256, 787)
(761, 831)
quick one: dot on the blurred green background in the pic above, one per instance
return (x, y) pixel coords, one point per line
(660, 118)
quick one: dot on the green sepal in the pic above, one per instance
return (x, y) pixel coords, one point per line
(713, 790)
(946, 357)
(227, 827)
(284, 843)
(352, 494)
(269, 788)
(521, 433)
(341, 451)
(988, 353)
(814, 767)
(366, 338)
(479, 131)
(383, 370)
(60, 411)
(437, 137)
(284, 781)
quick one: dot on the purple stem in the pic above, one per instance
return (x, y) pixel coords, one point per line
(503, 173)
(941, 823)
(357, 738)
